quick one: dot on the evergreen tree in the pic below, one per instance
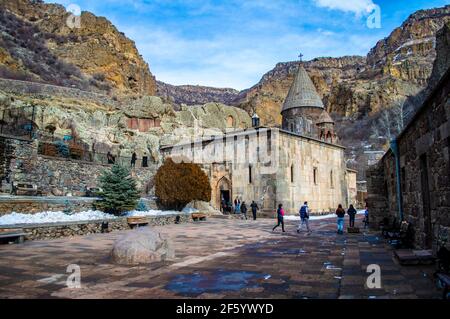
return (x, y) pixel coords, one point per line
(119, 193)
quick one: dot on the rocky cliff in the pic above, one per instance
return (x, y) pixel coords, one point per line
(354, 87)
(38, 44)
(195, 94)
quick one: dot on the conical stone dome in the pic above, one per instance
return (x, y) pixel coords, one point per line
(302, 92)
(325, 118)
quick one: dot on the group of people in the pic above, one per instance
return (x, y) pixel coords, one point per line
(304, 218)
(112, 159)
(241, 207)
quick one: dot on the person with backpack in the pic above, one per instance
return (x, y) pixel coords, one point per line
(254, 207)
(351, 214)
(340, 212)
(304, 217)
(280, 218)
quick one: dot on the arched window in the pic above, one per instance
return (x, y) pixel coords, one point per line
(230, 121)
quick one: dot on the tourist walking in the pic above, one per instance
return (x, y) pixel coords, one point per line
(366, 217)
(237, 205)
(133, 160)
(340, 212)
(304, 217)
(280, 218)
(244, 210)
(255, 208)
(351, 214)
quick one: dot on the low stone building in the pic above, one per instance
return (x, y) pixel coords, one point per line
(299, 162)
(411, 181)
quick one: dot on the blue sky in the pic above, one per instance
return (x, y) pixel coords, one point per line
(232, 43)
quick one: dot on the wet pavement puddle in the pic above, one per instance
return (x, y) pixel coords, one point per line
(214, 282)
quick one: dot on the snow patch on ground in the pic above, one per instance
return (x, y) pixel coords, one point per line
(61, 217)
(52, 217)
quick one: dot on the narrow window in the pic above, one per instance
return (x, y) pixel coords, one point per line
(249, 174)
(292, 173)
(315, 175)
(331, 179)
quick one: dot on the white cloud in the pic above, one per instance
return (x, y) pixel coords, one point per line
(355, 6)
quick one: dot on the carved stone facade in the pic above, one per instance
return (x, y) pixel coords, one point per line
(272, 166)
(423, 175)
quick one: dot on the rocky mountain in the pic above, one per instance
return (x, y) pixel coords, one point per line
(355, 87)
(440, 66)
(38, 44)
(195, 94)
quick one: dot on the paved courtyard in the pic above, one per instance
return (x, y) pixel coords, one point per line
(218, 258)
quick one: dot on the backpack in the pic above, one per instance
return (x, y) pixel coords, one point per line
(303, 213)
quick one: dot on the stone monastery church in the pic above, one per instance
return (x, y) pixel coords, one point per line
(301, 161)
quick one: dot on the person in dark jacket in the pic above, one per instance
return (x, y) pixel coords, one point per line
(133, 160)
(340, 212)
(304, 217)
(255, 208)
(110, 158)
(244, 210)
(280, 218)
(351, 214)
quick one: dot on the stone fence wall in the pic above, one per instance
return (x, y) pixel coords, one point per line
(30, 205)
(58, 176)
(81, 228)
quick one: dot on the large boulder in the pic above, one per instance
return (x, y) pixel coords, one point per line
(202, 207)
(142, 246)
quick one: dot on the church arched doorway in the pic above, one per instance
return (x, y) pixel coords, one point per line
(223, 194)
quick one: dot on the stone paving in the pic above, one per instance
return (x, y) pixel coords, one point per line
(218, 258)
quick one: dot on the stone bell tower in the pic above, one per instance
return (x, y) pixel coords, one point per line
(303, 106)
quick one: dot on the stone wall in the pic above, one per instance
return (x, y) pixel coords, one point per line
(22, 204)
(272, 166)
(69, 229)
(424, 148)
(59, 176)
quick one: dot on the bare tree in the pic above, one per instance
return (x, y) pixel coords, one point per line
(391, 121)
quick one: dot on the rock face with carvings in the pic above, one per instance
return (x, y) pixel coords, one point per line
(142, 246)
(139, 124)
